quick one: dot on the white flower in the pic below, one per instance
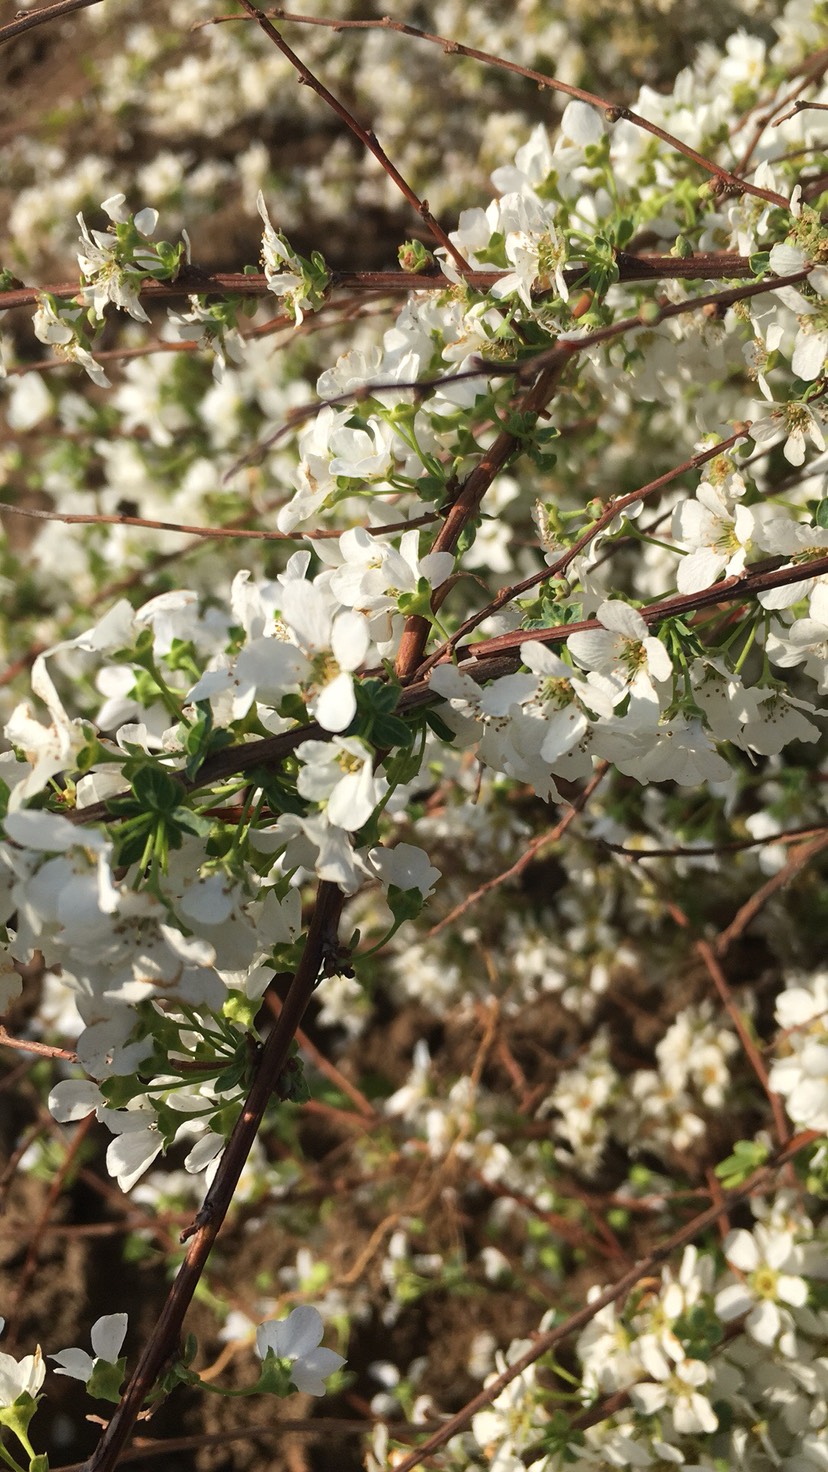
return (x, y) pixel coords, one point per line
(321, 630)
(49, 749)
(771, 719)
(283, 268)
(795, 420)
(484, 714)
(59, 325)
(679, 750)
(677, 1388)
(802, 1077)
(512, 1420)
(622, 648)
(406, 867)
(340, 774)
(373, 575)
(20, 1377)
(361, 453)
(717, 535)
(797, 541)
(298, 1339)
(107, 279)
(107, 1337)
(137, 1142)
(762, 1256)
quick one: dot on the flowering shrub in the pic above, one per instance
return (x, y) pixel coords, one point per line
(509, 586)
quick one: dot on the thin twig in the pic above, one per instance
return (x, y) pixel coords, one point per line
(737, 845)
(528, 855)
(23, 23)
(215, 533)
(366, 136)
(613, 112)
(797, 861)
(749, 1048)
(41, 1050)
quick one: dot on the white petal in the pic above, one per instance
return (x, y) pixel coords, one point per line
(146, 221)
(350, 639)
(581, 123)
(308, 612)
(809, 355)
(741, 1250)
(336, 704)
(108, 1336)
(310, 1372)
(74, 1362)
(73, 1099)
(764, 1323)
(129, 1155)
(353, 799)
(733, 1301)
(622, 619)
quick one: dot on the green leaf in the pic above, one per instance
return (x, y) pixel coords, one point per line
(821, 518)
(230, 1077)
(105, 1381)
(155, 789)
(275, 1376)
(404, 904)
(748, 1156)
(391, 731)
(191, 822)
(439, 726)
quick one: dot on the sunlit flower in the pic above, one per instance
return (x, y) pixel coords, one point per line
(298, 1339)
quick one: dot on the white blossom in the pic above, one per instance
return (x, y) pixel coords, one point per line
(298, 1339)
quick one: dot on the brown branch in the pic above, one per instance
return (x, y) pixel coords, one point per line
(556, 569)
(163, 1342)
(366, 136)
(41, 1050)
(231, 533)
(529, 853)
(730, 590)
(523, 368)
(39, 17)
(612, 111)
(464, 508)
(324, 1065)
(738, 845)
(192, 281)
(748, 912)
(749, 1048)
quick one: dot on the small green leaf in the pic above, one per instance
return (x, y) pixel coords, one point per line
(155, 789)
(391, 731)
(748, 1156)
(105, 1381)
